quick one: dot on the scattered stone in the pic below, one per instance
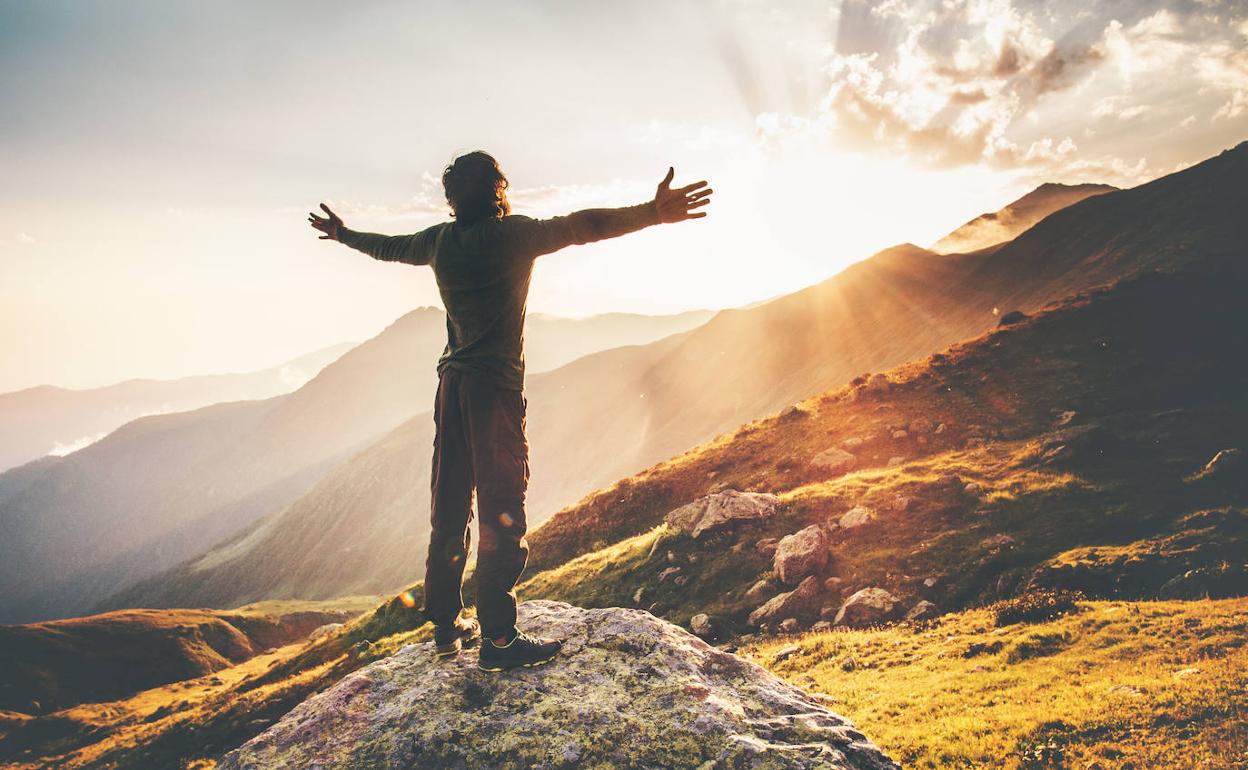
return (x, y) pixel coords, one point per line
(668, 572)
(680, 580)
(931, 582)
(1184, 673)
(833, 584)
(868, 607)
(800, 554)
(1126, 689)
(739, 546)
(901, 503)
(788, 650)
(671, 557)
(792, 412)
(1012, 317)
(717, 510)
(320, 631)
(822, 626)
(898, 435)
(1224, 464)
(849, 663)
(1065, 417)
(949, 480)
(896, 460)
(994, 542)
(920, 425)
(759, 590)
(924, 610)
(834, 460)
(639, 595)
(857, 516)
(799, 602)
(939, 429)
(971, 488)
(789, 626)
(878, 383)
(853, 442)
(700, 625)
(684, 704)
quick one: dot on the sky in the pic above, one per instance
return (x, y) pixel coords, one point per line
(157, 158)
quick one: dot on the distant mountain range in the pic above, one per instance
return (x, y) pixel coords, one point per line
(164, 488)
(609, 415)
(49, 420)
(1000, 226)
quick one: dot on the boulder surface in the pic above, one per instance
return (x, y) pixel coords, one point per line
(630, 690)
(717, 510)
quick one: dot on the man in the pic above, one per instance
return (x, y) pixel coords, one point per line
(482, 262)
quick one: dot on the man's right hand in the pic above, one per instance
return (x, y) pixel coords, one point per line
(679, 204)
(330, 225)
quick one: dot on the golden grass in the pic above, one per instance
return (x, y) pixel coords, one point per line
(1116, 685)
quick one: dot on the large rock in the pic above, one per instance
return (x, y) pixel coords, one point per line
(630, 690)
(802, 601)
(802, 553)
(718, 510)
(834, 460)
(868, 607)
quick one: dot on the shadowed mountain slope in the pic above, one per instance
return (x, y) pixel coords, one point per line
(609, 415)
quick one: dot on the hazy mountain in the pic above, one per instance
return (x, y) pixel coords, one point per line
(999, 226)
(49, 420)
(163, 488)
(608, 415)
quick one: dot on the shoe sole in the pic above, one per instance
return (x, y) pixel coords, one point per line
(455, 649)
(495, 670)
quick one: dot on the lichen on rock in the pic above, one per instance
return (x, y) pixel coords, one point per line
(630, 690)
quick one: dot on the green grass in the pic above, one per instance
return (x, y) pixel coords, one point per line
(1114, 685)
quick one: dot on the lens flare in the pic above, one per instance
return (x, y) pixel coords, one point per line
(408, 600)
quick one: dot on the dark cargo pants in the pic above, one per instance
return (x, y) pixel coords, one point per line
(478, 443)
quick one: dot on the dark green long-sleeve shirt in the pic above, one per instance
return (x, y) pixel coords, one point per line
(483, 271)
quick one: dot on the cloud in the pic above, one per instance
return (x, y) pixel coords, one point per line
(961, 82)
(25, 238)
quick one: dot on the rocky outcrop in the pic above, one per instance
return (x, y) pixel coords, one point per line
(629, 690)
(868, 607)
(717, 510)
(801, 601)
(802, 553)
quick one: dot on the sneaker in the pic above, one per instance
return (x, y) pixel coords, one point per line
(522, 650)
(449, 640)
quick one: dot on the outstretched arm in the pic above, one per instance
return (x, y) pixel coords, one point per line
(412, 249)
(589, 225)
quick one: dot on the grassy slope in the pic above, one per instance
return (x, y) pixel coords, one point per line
(1114, 685)
(54, 665)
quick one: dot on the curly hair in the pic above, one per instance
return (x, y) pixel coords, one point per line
(475, 187)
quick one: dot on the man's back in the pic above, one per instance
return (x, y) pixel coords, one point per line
(483, 270)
